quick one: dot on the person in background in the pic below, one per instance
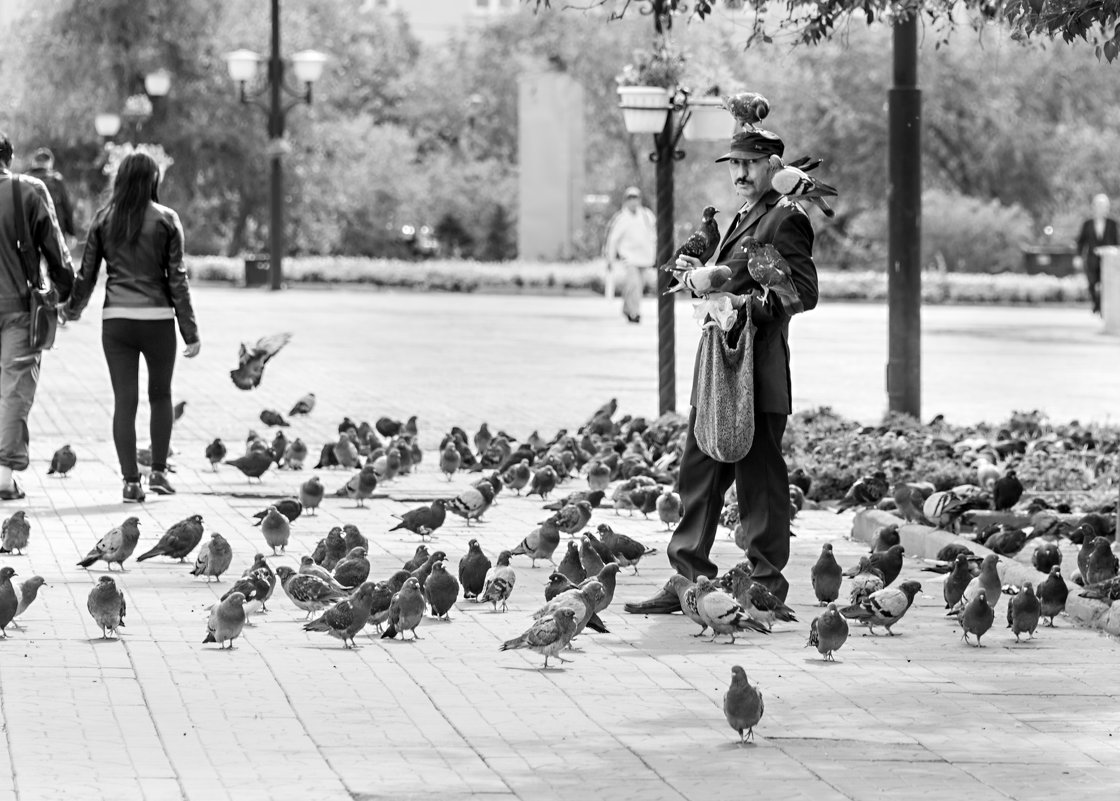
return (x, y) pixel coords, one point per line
(43, 169)
(1098, 231)
(146, 291)
(632, 244)
(19, 363)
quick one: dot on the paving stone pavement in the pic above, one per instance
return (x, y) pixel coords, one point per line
(637, 714)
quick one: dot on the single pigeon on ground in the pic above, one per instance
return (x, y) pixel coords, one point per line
(420, 557)
(761, 604)
(353, 569)
(450, 460)
(441, 590)
(227, 619)
(669, 508)
(865, 580)
(1023, 611)
(178, 541)
(742, 705)
(304, 405)
(1046, 556)
(866, 491)
(888, 562)
(472, 503)
(423, 520)
(543, 482)
(251, 361)
(976, 617)
(28, 592)
(115, 546)
(826, 576)
(1052, 594)
(333, 550)
(214, 559)
(518, 476)
(311, 494)
(627, 551)
(988, 581)
(291, 508)
(722, 613)
(215, 453)
(885, 537)
(540, 543)
(473, 569)
(828, 633)
(253, 464)
(309, 593)
(1006, 491)
(271, 417)
(686, 594)
(547, 636)
(499, 583)
(105, 603)
(9, 601)
(15, 533)
(360, 487)
(957, 582)
(1102, 564)
(276, 530)
(405, 611)
(885, 607)
(63, 461)
(571, 565)
(344, 620)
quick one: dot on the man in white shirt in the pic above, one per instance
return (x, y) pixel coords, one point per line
(632, 244)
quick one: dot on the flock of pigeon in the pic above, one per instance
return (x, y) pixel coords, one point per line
(628, 463)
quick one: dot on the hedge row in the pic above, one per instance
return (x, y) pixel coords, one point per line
(523, 276)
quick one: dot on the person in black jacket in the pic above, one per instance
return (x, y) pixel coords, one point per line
(760, 477)
(146, 291)
(1098, 231)
(19, 363)
(44, 170)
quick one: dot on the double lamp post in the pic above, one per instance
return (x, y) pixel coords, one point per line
(307, 66)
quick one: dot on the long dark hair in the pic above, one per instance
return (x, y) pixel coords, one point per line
(136, 184)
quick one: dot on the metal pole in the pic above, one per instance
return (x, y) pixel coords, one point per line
(275, 135)
(666, 334)
(904, 200)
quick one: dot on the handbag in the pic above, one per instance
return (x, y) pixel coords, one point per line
(724, 426)
(43, 301)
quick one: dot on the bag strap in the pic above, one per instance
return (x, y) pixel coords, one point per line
(21, 237)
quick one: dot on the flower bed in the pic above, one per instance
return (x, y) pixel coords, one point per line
(530, 276)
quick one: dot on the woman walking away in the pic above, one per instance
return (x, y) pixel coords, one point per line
(146, 290)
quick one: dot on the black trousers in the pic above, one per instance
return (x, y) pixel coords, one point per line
(762, 485)
(1093, 275)
(124, 342)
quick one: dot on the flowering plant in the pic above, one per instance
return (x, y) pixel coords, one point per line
(663, 67)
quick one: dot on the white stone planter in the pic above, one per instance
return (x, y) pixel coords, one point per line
(644, 108)
(708, 120)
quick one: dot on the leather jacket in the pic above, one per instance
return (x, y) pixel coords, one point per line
(147, 273)
(43, 231)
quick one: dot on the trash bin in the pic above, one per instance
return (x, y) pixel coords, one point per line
(1110, 288)
(258, 270)
(1053, 259)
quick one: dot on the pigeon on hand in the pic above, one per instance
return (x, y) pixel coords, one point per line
(865, 580)
(214, 559)
(885, 607)
(748, 109)
(976, 617)
(15, 533)
(309, 593)
(700, 245)
(105, 604)
(215, 453)
(28, 592)
(441, 591)
(722, 613)
(540, 543)
(311, 494)
(178, 541)
(473, 569)
(276, 529)
(226, 621)
(627, 551)
(828, 633)
(826, 576)
(1023, 611)
(866, 491)
(499, 582)
(115, 546)
(344, 620)
(1052, 594)
(742, 704)
(253, 464)
(795, 182)
(251, 361)
(424, 519)
(62, 462)
(304, 405)
(547, 636)
(406, 611)
(9, 602)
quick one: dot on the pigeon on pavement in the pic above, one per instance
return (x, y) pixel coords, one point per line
(626, 550)
(353, 569)
(311, 494)
(253, 464)
(406, 611)
(214, 559)
(105, 604)
(742, 704)
(473, 569)
(547, 636)
(1046, 556)
(360, 487)
(28, 592)
(472, 503)
(988, 581)
(828, 633)
(15, 533)
(686, 594)
(1052, 594)
(276, 530)
(304, 405)
(865, 580)
(499, 583)
(215, 453)
(957, 582)
(178, 541)
(344, 620)
(571, 566)
(63, 461)
(826, 576)
(1023, 611)
(722, 613)
(9, 601)
(540, 543)
(866, 491)
(761, 604)
(309, 593)
(441, 591)
(888, 562)
(116, 546)
(227, 619)
(976, 617)
(885, 607)
(1102, 564)
(424, 519)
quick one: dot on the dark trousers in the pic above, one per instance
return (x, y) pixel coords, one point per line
(124, 342)
(762, 485)
(1093, 275)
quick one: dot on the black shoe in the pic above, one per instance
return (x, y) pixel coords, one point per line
(13, 493)
(664, 603)
(634, 318)
(133, 492)
(159, 484)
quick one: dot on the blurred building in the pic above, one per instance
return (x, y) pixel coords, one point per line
(433, 21)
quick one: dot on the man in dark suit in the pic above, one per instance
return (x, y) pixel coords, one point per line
(1098, 231)
(761, 480)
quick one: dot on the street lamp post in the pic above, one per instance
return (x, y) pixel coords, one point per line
(307, 66)
(677, 115)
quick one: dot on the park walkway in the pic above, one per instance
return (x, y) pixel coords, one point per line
(637, 714)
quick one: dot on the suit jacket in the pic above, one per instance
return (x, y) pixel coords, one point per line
(781, 222)
(1087, 240)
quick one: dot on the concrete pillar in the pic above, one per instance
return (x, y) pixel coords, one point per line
(551, 172)
(1110, 289)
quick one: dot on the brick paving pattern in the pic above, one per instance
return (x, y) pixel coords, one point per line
(637, 714)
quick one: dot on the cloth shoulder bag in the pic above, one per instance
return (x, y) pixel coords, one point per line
(43, 302)
(724, 427)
